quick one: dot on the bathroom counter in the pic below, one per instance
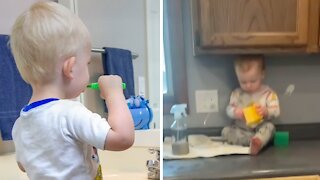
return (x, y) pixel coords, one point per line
(128, 164)
(9, 168)
(300, 158)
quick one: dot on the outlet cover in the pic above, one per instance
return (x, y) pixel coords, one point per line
(207, 101)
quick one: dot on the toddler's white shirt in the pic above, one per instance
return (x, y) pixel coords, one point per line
(55, 140)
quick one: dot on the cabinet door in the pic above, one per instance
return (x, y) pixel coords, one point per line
(252, 23)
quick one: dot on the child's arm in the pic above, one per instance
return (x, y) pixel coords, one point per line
(233, 111)
(121, 134)
(273, 107)
(21, 167)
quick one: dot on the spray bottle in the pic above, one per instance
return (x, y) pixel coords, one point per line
(178, 128)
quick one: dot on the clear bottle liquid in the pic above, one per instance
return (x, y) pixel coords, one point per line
(180, 143)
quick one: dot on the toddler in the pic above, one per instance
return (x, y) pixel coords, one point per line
(54, 136)
(250, 71)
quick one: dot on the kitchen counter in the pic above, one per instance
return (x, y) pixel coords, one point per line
(300, 158)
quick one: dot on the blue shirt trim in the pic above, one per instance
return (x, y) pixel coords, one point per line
(38, 103)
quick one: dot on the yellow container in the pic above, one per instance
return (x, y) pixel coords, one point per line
(251, 115)
(99, 174)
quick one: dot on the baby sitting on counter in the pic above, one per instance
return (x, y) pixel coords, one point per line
(252, 106)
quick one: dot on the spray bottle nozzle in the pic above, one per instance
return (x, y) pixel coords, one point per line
(179, 110)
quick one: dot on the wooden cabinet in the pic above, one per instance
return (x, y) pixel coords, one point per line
(255, 26)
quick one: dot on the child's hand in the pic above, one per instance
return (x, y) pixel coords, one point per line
(109, 85)
(238, 113)
(262, 111)
(121, 134)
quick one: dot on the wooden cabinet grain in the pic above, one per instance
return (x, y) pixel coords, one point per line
(255, 26)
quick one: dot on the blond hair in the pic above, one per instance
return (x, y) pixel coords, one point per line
(246, 62)
(44, 35)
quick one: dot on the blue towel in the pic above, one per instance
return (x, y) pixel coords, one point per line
(14, 92)
(119, 62)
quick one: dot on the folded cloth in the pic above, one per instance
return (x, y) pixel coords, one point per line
(203, 146)
(14, 92)
(119, 62)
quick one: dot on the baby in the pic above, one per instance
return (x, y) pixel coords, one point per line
(54, 136)
(250, 71)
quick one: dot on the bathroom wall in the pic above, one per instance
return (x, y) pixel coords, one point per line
(9, 11)
(216, 72)
(132, 25)
(117, 24)
(126, 24)
(153, 58)
(109, 26)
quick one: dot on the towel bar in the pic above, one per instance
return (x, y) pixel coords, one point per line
(134, 55)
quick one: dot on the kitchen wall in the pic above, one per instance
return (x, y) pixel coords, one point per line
(216, 72)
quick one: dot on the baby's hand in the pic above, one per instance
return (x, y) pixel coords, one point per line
(109, 85)
(262, 111)
(238, 113)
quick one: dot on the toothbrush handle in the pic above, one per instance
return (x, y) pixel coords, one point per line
(95, 86)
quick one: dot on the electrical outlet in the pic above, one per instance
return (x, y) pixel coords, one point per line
(207, 101)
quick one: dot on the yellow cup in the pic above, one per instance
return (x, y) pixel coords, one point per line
(251, 115)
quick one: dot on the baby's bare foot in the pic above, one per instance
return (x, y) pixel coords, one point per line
(255, 146)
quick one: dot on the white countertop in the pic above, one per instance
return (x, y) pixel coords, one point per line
(9, 168)
(129, 164)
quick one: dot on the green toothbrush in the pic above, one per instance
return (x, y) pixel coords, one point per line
(95, 86)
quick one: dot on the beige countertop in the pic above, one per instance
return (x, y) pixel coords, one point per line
(9, 168)
(129, 164)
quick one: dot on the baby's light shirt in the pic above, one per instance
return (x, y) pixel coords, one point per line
(265, 97)
(55, 140)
